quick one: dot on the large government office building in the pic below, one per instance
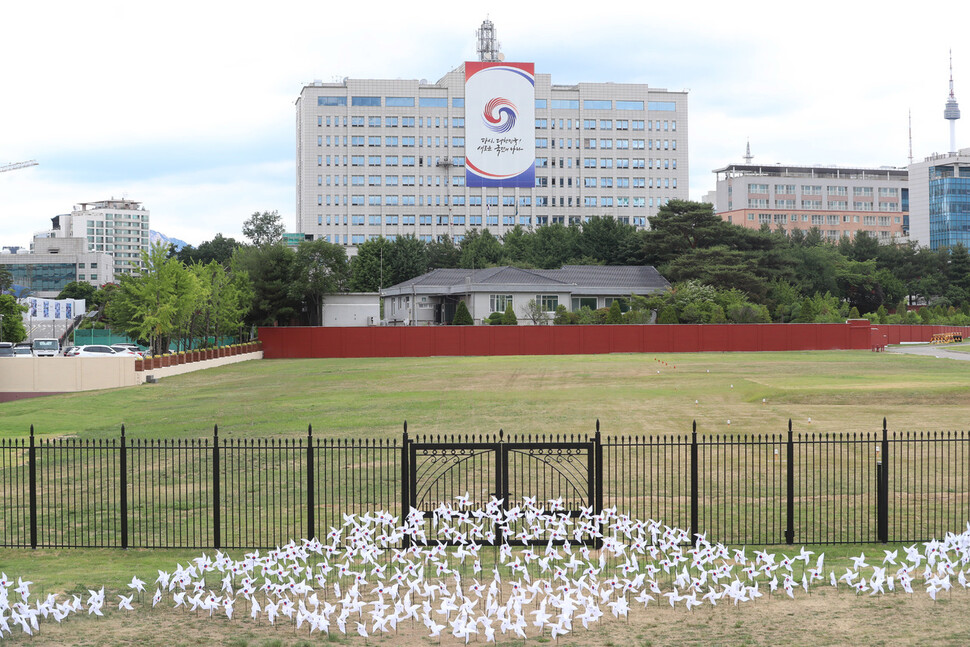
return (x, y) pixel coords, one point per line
(385, 158)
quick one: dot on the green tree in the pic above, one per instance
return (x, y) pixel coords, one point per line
(517, 247)
(608, 241)
(270, 271)
(219, 249)
(369, 271)
(561, 317)
(719, 267)
(319, 268)
(554, 245)
(462, 316)
(78, 290)
(407, 258)
(480, 249)
(616, 314)
(536, 314)
(222, 301)
(680, 226)
(155, 305)
(443, 254)
(6, 279)
(12, 325)
(264, 229)
(508, 317)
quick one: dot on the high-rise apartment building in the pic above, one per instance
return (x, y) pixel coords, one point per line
(119, 228)
(386, 158)
(838, 201)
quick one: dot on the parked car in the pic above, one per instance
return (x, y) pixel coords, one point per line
(22, 350)
(6, 349)
(134, 348)
(46, 347)
(95, 350)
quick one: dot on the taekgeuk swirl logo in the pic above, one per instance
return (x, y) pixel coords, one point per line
(500, 114)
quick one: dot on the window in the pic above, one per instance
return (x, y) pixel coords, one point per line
(564, 104)
(606, 143)
(407, 122)
(606, 162)
(499, 302)
(390, 121)
(373, 160)
(374, 122)
(597, 104)
(661, 105)
(862, 191)
(390, 160)
(812, 189)
(388, 141)
(357, 141)
(374, 102)
(837, 190)
(589, 124)
(373, 141)
(407, 142)
(540, 123)
(757, 188)
(399, 102)
(541, 142)
(888, 192)
(357, 221)
(357, 122)
(548, 302)
(606, 124)
(433, 102)
(785, 189)
(331, 101)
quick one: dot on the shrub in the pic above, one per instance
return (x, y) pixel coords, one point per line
(462, 316)
(615, 316)
(562, 316)
(509, 318)
(495, 319)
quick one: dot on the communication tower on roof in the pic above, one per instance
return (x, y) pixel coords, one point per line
(747, 154)
(488, 45)
(952, 111)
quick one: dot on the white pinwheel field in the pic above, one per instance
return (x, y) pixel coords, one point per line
(575, 572)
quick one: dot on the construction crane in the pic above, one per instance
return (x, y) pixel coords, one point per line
(18, 165)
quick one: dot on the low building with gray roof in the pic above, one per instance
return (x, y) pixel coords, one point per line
(433, 297)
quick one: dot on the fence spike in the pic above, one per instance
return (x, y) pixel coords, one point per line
(597, 424)
(405, 426)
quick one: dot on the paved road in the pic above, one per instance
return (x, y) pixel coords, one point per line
(940, 352)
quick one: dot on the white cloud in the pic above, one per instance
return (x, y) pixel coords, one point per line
(817, 84)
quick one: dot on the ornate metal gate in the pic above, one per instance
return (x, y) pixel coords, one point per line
(567, 470)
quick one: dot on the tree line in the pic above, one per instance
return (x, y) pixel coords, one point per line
(720, 273)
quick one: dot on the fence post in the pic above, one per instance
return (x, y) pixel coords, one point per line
(790, 527)
(882, 497)
(598, 457)
(216, 521)
(32, 477)
(124, 490)
(310, 500)
(405, 483)
(694, 485)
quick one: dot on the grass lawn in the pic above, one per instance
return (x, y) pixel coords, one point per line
(841, 391)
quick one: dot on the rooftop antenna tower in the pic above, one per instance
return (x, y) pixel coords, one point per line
(747, 153)
(952, 111)
(911, 137)
(488, 45)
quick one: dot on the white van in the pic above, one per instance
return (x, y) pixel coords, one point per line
(46, 347)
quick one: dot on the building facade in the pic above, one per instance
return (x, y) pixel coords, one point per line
(838, 201)
(386, 158)
(940, 194)
(119, 228)
(432, 298)
(55, 262)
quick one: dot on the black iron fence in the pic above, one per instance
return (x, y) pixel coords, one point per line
(228, 493)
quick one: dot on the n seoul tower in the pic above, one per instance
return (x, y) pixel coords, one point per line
(952, 111)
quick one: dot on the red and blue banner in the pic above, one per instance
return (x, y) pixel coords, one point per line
(500, 124)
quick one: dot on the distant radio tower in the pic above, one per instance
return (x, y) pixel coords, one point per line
(747, 154)
(952, 111)
(911, 137)
(488, 45)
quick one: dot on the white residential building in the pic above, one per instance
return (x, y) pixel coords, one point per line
(386, 158)
(119, 228)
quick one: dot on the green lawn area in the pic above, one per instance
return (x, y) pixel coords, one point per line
(841, 391)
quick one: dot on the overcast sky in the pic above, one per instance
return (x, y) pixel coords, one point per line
(188, 107)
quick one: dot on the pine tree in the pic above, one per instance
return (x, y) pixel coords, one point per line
(509, 318)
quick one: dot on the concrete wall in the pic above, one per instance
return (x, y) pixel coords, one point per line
(65, 374)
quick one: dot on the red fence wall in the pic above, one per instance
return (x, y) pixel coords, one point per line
(430, 341)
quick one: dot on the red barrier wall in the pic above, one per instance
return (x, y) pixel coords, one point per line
(293, 342)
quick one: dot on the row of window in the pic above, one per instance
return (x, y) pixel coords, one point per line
(541, 181)
(476, 201)
(829, 219)
(359, 121)
(394, 141)
(540, 162)
(459, 102)
(466, 221)
(816, 189)
(762, 203)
